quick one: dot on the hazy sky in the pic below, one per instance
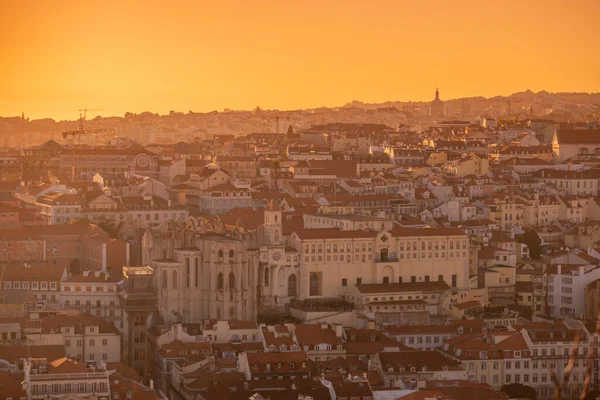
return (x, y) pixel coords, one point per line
(121, 55)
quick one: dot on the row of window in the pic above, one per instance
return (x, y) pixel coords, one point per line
(409, 307)
(9, 256)
(89, 288)
(88, 303)
(420, 339)
(67, 388)
(369, 257)
(30, 285)
(79, 343)
(400, 298)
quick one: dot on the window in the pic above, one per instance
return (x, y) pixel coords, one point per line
(344, 282)
(104, 342)
(164, 280)
(220, 281)
(196, 271)
(174, 284)
(292, 285)
(358, 281)
(266, 276)
(315, 284)
(231, 281)
(187, 273)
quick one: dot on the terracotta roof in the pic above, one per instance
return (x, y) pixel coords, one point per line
(93, 278)
(13, 353)
(66, 366)
(78, 322)
(11, 386)
(18, 273)
(578, 136)
(311, 335)
(272, 358)
(515, 342)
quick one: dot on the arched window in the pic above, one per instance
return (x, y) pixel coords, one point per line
(174, 279)
(383, 255)
(220, 253)
(231, 281)
(220, 281)
(315, 285)
(164, 279)
(231, 253)
(276, 235)
(187, 273)
(292, 285)
(266, 276)
(584, 150)
(196, 270)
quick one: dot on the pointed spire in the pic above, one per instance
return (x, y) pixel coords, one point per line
(437, 94)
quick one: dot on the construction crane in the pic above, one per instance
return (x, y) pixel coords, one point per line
(85, 110)
(509, 102)
(80, 131)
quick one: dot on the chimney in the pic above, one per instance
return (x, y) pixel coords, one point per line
(338, 331)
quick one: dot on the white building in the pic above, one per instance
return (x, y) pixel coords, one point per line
(85, 337)
(566, 289)
(94, 292)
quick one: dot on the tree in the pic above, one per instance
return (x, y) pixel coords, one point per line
(274, 166)
(531, 239)
(519, 391)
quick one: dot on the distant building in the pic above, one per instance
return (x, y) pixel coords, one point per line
(436, 109)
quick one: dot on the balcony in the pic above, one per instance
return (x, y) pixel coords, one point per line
(383, 257)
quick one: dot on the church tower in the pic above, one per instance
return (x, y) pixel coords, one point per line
(273, 223)
(437, 106)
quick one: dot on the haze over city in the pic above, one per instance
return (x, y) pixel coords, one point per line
(122, 56)
(299, 200)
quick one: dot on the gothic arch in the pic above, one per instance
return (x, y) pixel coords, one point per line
(220, 281)
(174, 280)
(187, 273)
(231, 281)
(164, 279)
(266, 276)
(292, 287)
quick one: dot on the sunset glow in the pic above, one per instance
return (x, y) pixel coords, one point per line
(121, 56)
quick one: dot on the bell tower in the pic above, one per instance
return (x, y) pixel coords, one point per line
(272, 223)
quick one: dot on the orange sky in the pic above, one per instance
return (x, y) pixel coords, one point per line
(122, 55)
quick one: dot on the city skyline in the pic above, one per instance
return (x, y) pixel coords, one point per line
(211, 56)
